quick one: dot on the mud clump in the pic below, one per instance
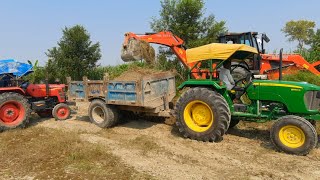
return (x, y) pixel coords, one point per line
(138, 50)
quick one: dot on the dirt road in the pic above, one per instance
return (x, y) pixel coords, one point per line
(154, 150)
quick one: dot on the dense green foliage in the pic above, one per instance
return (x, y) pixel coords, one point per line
(303, 32)
(74, 56)
(300, 30)
(186, 19)
(309, 54)
(315, 41)
(303, 76)
(38, 74)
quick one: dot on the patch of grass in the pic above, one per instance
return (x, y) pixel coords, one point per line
(52, 154)
(303, 76)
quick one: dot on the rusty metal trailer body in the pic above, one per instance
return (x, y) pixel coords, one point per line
(150, 95)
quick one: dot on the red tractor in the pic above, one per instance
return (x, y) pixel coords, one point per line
(19, 98)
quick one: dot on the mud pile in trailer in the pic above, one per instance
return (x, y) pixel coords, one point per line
(138, 50)
(137, 73)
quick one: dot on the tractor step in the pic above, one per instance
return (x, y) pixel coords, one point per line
(240, 107)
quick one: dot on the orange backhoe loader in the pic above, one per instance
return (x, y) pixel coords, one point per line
(269, 63)
(262, 63)
(165, 38)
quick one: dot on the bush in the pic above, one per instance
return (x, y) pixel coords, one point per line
(303, 76)
(310, 55)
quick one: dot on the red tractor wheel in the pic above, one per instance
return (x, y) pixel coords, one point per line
(61, 111)
(14, 111)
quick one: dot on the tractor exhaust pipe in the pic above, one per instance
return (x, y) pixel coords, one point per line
(280, 64)
(47, 87)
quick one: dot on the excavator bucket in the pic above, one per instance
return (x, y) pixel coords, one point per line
(136, 50)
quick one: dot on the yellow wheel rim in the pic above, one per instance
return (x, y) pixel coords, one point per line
(198, 116)
(292, 136)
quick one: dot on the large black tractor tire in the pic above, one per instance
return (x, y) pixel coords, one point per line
(293, 135)
(61, 111)
(14, 111)
(202, 114)
(103, 115)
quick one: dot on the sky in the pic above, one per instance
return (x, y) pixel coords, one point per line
(29, 28)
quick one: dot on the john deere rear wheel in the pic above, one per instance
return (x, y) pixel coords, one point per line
(294, 135)
(14, 111)
(202, 114)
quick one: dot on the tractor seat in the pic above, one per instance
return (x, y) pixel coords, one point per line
(24, 85)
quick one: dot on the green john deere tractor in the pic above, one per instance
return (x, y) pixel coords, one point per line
(207, 109)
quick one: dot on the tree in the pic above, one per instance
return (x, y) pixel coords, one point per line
(315, 41)
(300, 30)
(74, 56)
(186, 19)
(38, 74)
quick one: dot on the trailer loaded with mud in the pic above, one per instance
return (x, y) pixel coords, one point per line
(137, 91)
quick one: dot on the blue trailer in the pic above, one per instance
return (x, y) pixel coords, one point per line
(148, 96)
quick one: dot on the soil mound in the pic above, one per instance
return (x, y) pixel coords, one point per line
(136, 73)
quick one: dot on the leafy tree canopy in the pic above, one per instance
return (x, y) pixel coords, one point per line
(300, 31)
(186, 19)
(315, 41)
(74, 56)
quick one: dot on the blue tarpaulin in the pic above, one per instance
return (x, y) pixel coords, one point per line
(11, 66)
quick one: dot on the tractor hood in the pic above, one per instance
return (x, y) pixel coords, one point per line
(298, 97)
(289, 84)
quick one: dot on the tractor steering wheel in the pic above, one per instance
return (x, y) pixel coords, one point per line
(239, 70)
(243, 83)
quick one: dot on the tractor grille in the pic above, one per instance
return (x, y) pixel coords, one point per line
(312, 100)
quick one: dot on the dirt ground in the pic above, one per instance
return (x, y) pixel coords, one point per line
(140, 149)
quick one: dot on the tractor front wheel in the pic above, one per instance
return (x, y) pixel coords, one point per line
(102, 114)
(202, 114)
(61, 111)
(14, 111)
(294, 135)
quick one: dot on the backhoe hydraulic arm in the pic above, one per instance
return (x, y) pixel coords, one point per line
(165, 38)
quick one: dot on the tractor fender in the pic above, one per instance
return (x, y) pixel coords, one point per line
(13, 89)
(205, 83)
(94, 98)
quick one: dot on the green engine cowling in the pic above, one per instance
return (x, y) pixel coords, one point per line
(298, 97)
